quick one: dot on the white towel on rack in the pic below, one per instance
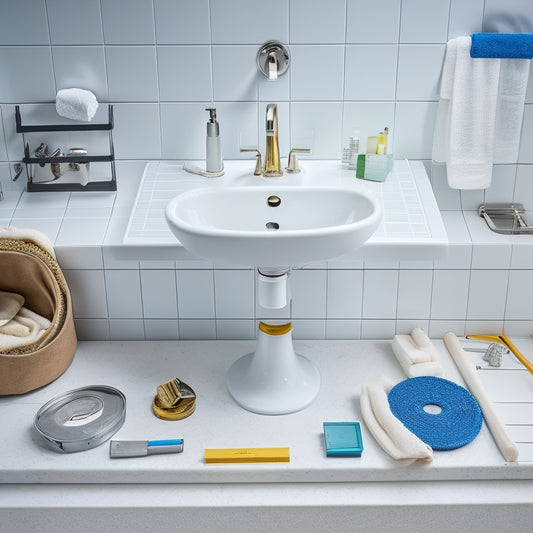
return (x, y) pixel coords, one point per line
(514, 74)
(480, 113)
(76, 104)
(464, 132)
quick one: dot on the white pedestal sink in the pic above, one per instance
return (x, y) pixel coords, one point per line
(273, 227)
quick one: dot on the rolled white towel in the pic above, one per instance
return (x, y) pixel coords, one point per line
(416, 354)
(76, 104)
(393, 437)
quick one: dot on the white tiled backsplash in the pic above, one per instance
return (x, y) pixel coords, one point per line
(354, 63)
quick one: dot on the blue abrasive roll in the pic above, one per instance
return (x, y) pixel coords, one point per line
(502, 45)
(458, 422)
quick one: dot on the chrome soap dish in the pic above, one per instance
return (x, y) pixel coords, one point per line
(508, 219)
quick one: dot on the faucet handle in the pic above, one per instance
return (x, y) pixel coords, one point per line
(259, 164)
(293, 167)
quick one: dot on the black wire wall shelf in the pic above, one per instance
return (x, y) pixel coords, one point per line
(30, 161)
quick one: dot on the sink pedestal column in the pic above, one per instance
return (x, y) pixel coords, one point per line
(273, 380)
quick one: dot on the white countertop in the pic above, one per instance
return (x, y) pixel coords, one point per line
(136, 368)
(411, 226)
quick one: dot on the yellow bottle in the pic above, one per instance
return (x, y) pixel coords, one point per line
(383, 138)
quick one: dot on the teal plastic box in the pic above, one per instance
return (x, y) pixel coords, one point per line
(374, 167)
(343, 439)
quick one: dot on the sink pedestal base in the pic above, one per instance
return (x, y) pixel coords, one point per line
(273, 380)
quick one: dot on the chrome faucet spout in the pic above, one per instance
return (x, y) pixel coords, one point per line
(272, 159)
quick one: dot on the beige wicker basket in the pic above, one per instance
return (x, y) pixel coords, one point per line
(28, 269)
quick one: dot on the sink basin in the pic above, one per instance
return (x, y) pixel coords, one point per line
(272, 226)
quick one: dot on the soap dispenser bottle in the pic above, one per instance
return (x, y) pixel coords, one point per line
(213, 150)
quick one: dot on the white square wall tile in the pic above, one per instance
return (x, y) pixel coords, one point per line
(14, 61)
(182, 22)
(308, 289)
(449, 298)
(128, 84)
(368, 117)
(123, 289)
(92, 329)
(137, 131)
(140, 26)
(183, 143)
(309, 329)
(232, 63)
(88, 291)
(439, 328)
(184, 73)
(344, 293)
(370, 72)
(249, 21)
(234, 291)
(419, 69)
(414, 294)
(24, 23)
(503, 184)
(447, 199)
(518, 16)
(523, 192)
(378, 329)
(158, 290)
(75, 22)
(316, 21)
(526, 139)
(424, 21)
(343, 329)
(278, 91)
(380, 294)
(373, 22)
(413, 129)
(197, 329)
(196, 296)
(163, 330)
(126, 329)
(305, 84)
(320, 122)
(235, 329)
(465, 17)
(239, 127)
(520, 295)
(487, 294)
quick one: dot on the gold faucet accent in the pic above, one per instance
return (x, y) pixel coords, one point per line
(272, 162)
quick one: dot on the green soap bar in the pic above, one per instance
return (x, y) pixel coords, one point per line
(343, 439)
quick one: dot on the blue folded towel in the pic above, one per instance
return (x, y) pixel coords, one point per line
(502, 45)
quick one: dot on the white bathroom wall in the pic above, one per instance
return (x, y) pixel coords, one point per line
(354, 63)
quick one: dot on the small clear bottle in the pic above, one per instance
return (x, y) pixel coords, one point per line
(351, 150)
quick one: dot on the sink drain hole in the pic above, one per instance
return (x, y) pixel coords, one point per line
(272, 225)
(273, 201)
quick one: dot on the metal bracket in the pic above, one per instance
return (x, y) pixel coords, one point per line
(507, 219)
